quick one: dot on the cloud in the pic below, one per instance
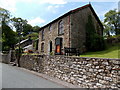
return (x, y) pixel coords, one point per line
(53, 1)
(26, 1)
(92, 0)
(36, 21)
(9, 5)
(53, 8)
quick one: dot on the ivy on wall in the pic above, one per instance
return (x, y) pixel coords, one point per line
(94, 42)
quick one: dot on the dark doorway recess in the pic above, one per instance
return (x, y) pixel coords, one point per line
(50, 46)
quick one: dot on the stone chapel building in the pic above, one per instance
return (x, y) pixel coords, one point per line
(67, 31)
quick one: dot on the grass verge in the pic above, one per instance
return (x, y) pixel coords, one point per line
(110, 52)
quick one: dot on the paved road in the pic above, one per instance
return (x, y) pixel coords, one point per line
(14, 77)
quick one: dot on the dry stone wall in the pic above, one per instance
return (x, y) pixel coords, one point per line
(85, 72)
(5, 58)
(32, 62)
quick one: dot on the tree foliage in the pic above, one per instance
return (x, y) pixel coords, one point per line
(8, 35)
(112, 20)
(33, 36)
(24, 26)
(19, 24)
(36, 29)
(107, 30)
(4, 15)
(27, 29)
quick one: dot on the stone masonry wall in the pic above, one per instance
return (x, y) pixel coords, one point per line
(53, 34)
(85, 72)
(32, 62)
(79, 20)
(5, 58)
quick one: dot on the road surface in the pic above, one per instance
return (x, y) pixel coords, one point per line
(14, 77)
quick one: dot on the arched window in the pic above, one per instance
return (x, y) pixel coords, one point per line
(42, 47)
(60, 27)
(50, 28)
(43, 34)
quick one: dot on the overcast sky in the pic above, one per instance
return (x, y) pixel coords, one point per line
(41, 12)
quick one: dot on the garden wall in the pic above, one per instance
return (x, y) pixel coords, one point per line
(85, 72)
(5, 58)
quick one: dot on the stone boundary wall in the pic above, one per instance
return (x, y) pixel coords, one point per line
(32, 62)
(5, 58)
(85, 72)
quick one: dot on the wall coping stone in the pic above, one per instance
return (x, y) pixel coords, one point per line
(76, 57)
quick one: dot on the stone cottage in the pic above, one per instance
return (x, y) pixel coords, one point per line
(67, 31)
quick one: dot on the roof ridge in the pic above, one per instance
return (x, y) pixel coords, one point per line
(82, 7)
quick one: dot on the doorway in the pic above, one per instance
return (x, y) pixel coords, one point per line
(58, 46)
(50, 46)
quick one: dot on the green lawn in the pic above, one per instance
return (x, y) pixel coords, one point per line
(110, 52)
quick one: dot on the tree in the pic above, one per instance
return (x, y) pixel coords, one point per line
(107, 30)
(8, 35)
(4, 15)
(18, 23)
(33, 36)
(112, 19)
(36, 29)
(27, 29)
